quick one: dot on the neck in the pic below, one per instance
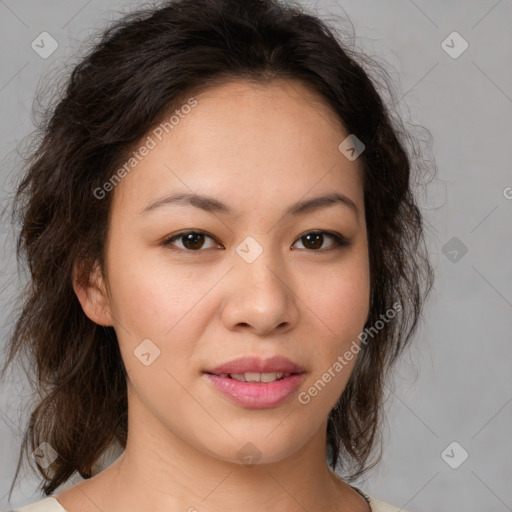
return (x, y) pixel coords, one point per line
(158, 470)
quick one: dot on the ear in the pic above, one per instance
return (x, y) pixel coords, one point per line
(92, 294)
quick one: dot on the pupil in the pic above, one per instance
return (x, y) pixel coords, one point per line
(193, 237)
(318, 242)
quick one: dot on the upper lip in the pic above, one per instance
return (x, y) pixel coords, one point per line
(254, 364)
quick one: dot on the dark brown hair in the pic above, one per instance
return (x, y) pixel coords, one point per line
(141, 68)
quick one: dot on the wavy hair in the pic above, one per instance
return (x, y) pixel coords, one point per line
(141, 67)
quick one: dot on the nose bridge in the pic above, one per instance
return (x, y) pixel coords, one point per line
(259, 294)
(259, 263)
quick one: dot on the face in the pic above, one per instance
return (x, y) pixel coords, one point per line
(257, 276)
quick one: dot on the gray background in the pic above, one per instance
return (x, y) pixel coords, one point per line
(455, 384)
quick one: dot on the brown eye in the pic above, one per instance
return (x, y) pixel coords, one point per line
(192, 241)
(315, 240)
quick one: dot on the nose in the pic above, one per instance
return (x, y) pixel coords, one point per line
(260, 296)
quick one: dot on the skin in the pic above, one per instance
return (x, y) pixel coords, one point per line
(259, 149)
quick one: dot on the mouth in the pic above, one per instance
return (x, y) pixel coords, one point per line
(270, 390)
(256, 369)
(255, 383)
(256, 377)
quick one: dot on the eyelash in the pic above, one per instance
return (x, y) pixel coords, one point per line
(339, 241)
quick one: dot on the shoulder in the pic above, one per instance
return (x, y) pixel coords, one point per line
(381, 506)
(52, 505)
(375, 504)
(47, 505)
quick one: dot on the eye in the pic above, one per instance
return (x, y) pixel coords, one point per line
(193, 241)
(314, 240)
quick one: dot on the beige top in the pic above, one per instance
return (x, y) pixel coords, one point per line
(52, 505)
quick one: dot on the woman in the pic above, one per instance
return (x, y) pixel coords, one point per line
(226, 260)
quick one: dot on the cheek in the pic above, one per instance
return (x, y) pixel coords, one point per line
(340, 312)
(149, 298)
(341, 300)
(340, 306)
(155, 325)
(165, 304)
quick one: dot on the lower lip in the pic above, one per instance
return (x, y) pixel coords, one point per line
(257, 395)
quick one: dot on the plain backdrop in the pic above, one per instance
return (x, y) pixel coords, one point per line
(447, 443)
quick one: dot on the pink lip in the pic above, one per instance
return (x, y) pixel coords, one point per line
(256, 395)
(257, 365)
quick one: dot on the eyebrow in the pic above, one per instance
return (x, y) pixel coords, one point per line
(212, 205)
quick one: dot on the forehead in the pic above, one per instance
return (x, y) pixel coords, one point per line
(265, 109)
(246, 139)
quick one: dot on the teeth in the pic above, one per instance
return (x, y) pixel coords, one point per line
(257, 377)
